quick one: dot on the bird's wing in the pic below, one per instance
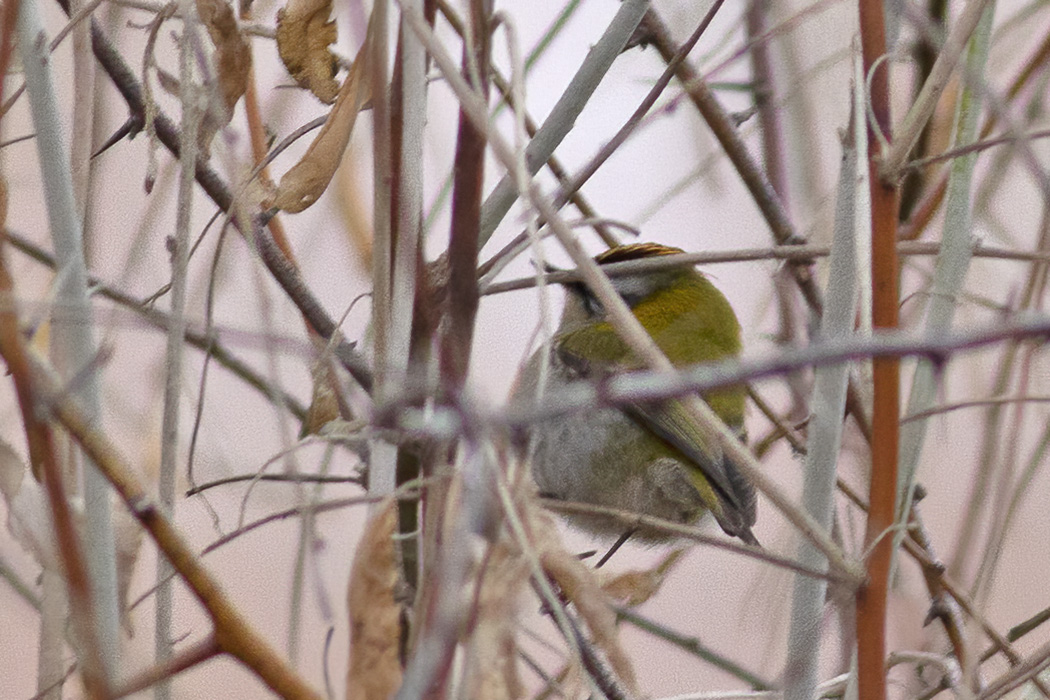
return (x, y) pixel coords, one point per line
(735, 509)
(607, 354)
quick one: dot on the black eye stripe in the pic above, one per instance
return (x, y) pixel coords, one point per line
(631, 294)
(593, 306)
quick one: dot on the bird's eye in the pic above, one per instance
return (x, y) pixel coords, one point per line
(592, 305)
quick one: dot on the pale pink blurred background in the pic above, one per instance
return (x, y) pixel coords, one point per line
(736, 606)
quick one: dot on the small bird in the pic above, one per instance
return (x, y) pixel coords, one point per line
(644, 457)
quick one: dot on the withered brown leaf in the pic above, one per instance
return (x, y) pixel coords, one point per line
(307, 180)
(375, 627)
(304, 33)
(580, 586)
(233, 54)
(233, 62)
(492, 654)
(637, 586)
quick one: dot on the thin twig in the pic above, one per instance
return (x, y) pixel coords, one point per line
(922, 109)
(620, 316)
(280, 267)
(73, 344)
(564, 114)
(620, 137)
(189, 96)
(798, 253)
(631, 520)
(284, 478)
(931, 201)
(208, 342)
(694, 646)
(233, 633)
(197, 654)
(780, 224)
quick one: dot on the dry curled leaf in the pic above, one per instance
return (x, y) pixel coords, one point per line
(304, 33)
(30, 523)
(493, 650)
(28, 513)
(307, 180)
(324, 403)
(127, 536)
(633, 588)
(233, 58)
(580, 586)
(375, 616)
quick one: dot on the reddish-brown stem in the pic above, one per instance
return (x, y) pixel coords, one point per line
(257, 134)
(466, 211)
(233, 634)
(780, 224)
(187, 659)
(46, 468)
(871, 598)
(7, 33)
(931, 202)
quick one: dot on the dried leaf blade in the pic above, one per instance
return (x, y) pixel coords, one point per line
(233, 57)
(635, 587)
(304, 33)
(375, 617)
(581, 587)
(307, 180)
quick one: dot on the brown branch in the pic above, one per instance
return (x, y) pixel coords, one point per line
(46, 468)
(722, 126)
(931, 202)
(885, 270)
(467, 197)
(282, 269)
(197, 654)
(233, 634)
